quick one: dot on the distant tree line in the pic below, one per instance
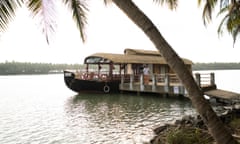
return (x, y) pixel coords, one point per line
(13, 68)
(216, 66)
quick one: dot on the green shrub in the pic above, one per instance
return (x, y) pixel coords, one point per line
(235, 123)
(188, 136)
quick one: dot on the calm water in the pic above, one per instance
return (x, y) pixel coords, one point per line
(41, 109)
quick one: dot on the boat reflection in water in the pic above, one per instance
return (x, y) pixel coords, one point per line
(121, 118)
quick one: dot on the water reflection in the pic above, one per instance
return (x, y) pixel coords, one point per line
(121, 118)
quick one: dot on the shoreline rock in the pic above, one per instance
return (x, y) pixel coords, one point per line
(190, 124)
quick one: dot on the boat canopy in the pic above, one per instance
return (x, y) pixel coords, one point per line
(106, 58)
(130, 51)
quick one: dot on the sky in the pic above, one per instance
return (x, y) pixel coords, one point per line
(109, 30)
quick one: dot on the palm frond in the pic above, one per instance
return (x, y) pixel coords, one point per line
(7, 12)
(231, 21)
(234, 23)
(224, 3)
(235, 33)
(222, 11)
(46, 12)
(106, 2)
(79, 10)
(172, 4)
(199, 2)
(222, 23)
(207, 10)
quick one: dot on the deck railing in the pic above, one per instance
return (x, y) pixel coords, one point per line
(157, 83)
(205, 79)
(201, 79)
(163, 83)
(156, 78)
(96, 75)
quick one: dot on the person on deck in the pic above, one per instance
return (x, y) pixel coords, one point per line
(146, 74)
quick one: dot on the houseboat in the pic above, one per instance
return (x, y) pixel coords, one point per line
(112, 73)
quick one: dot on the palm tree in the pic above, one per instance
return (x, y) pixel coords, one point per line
(214, 124)
(211, 120)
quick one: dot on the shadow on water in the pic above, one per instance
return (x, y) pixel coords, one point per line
(130, 105)
(121, 117)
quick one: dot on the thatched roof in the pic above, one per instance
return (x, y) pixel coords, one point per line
(129, 58)
(129, 51)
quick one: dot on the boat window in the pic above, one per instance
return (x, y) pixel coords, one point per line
(94, 60)
(105, 60)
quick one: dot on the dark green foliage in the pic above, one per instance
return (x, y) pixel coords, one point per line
(188, 136)
(12, 68)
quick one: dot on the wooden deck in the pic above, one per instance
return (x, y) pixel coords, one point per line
(162, 84)
(210, 89)
(170, 85)
(223, 96)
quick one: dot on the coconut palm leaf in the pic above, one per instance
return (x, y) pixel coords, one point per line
(45, 11)
(225, 9)
(235, 33)
(231, 20)
(207, 10)
(7, 12)
(223, 23)
(172, 4)
(79, 10)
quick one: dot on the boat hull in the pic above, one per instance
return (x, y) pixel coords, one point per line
(83, 85)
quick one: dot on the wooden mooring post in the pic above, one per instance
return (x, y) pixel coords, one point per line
(212, 79)
(131, 82)
(141, 83)
(166, 83)
(154, 82)
(198, 79)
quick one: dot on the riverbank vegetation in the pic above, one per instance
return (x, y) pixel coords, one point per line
(13, 68)
(216, 66)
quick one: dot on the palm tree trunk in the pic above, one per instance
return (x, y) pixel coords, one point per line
(215, 126)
